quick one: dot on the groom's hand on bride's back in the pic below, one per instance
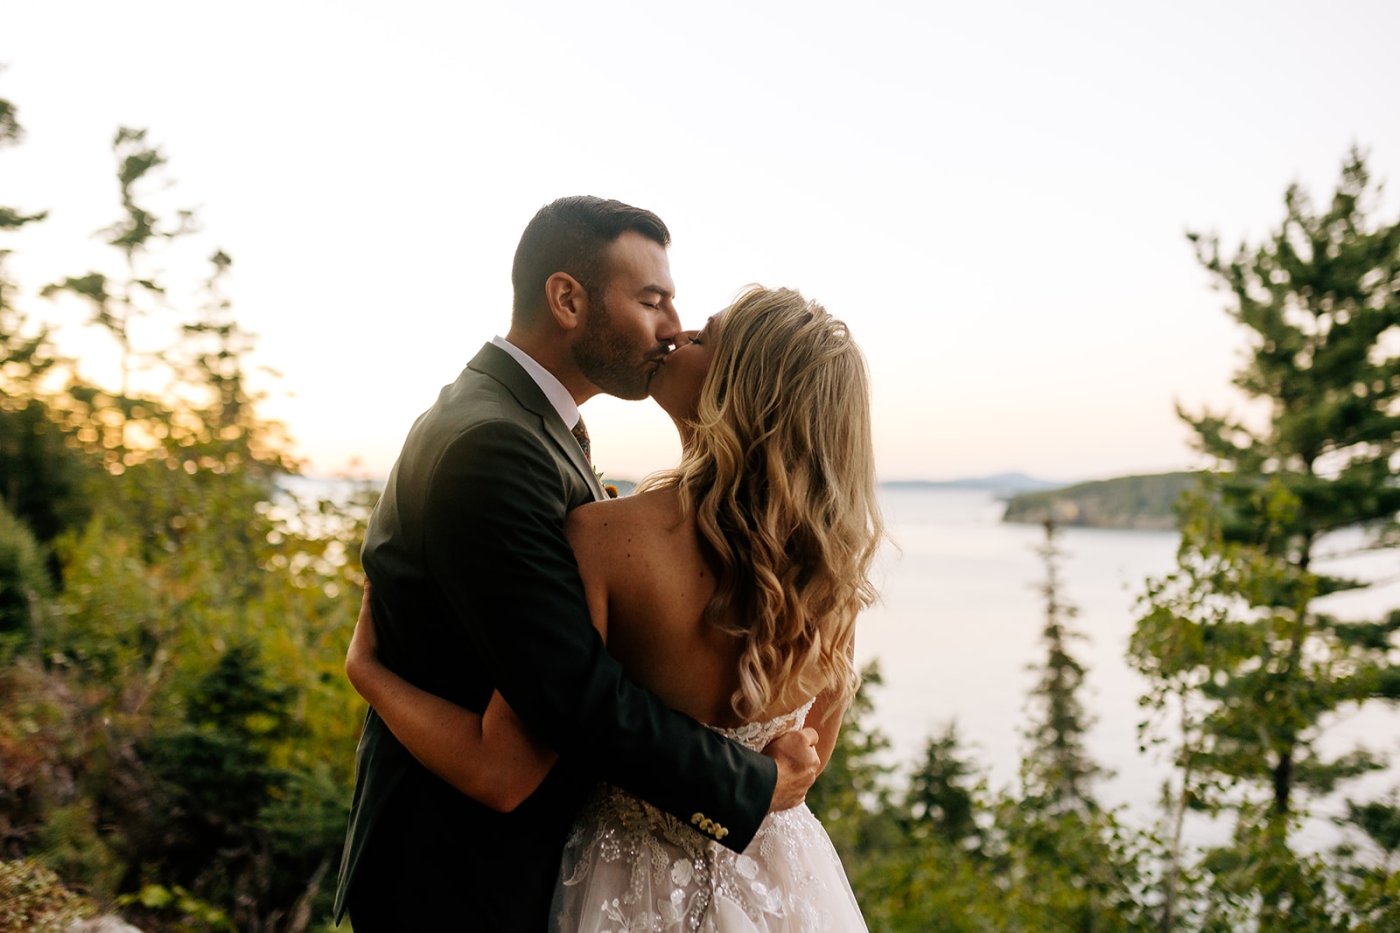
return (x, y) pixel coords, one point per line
(798, 766)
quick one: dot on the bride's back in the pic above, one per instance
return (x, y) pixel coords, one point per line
(775, 494)
(649, 582)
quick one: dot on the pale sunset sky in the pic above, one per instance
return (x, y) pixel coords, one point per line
(993, 196)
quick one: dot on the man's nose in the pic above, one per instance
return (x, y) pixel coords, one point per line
(672, 324)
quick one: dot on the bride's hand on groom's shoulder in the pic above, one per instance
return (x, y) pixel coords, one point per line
(363, 652)
(798, 766)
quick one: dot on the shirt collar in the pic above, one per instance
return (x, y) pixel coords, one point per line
(552, 388)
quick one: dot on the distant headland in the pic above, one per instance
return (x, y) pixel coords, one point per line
(1142, 502)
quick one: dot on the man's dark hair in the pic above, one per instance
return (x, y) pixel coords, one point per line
(571, 235)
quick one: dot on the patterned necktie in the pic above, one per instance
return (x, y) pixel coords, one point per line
(581, 435)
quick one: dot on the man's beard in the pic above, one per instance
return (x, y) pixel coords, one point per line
(607, 360)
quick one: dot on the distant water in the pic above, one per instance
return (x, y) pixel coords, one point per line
(960, 621)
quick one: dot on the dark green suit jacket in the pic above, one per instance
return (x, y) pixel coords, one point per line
(475, 589)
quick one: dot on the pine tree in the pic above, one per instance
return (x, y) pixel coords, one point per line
(211, 360)
(939, 799)
(1057, 769)
(118, 304)
(23, 358)
(41, 479)
(1235, 638)
(1317, 299)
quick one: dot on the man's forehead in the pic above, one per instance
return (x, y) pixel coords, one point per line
(642, 258)
(646, 279)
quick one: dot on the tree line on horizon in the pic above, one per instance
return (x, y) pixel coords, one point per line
(176, 733)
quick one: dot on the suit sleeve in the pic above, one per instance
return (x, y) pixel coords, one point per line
(495, 541)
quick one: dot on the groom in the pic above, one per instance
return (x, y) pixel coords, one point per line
(475, 588)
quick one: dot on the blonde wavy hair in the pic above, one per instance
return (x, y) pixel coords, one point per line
(780, 478)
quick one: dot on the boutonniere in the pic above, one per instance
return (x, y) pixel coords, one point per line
(608, 488)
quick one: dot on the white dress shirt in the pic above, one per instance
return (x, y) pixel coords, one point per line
(552, 388)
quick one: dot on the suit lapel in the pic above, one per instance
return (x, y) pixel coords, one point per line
(565, 440)
(497, 363)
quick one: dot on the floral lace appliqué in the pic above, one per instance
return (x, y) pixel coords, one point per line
(630, 867)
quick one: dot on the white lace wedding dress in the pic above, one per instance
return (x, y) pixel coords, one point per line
(629, 867)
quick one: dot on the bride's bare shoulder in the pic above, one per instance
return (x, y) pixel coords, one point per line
(651, 512)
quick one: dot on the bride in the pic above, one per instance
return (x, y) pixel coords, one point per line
(728, 586)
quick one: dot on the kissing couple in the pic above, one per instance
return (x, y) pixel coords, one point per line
(604, 714)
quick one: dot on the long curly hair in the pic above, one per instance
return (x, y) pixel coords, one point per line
(780, 478)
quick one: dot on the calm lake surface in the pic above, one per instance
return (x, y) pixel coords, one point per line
(960, 620)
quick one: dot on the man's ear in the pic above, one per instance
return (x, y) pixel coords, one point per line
(567, 300)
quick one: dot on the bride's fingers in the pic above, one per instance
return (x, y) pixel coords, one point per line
(810, 735)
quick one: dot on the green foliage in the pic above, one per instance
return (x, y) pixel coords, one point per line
(939, 802)
(948, 855)
(174, 908)
(216, 762)
(40, 480)
(1259, 879)
(43, 481)
(24, 585)
(117, 304)
(1057, 770)
(1244, 672)
(175, 725)
(853, 786)
(231, 814)
(11, 133)
(71, 843)
(1316, 297)
(1380, 822)
(1071, 869)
